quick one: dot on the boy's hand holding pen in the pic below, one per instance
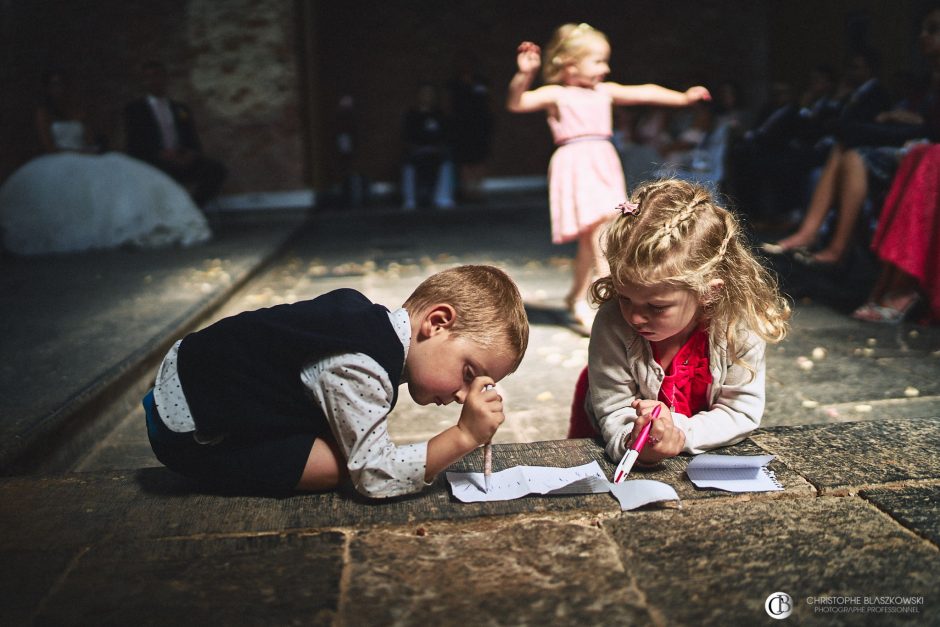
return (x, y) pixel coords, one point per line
(481, 416)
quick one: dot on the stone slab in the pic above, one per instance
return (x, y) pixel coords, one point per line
(849, 456)
(717, 565)
(508, 571)
(277, 579)
(74, 324)
(916, 507)
(65, 510)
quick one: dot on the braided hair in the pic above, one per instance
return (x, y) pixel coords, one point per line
(678, 236)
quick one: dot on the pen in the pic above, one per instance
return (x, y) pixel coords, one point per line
(629, 458)
(487, 453)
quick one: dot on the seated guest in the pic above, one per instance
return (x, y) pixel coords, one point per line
(906, 245)
(161, 132)
(427, 152)
(862, 164)
(71, 199)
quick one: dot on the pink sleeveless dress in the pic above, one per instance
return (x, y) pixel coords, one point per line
(585, 177)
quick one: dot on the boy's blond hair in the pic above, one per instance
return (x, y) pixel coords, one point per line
(567, 45)
(674, 233)
(490, 311)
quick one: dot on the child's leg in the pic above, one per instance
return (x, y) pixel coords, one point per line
(579, 425)
(589, 257)
(325, 466)
(256, 462)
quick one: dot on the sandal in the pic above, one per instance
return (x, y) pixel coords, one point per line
(775, 248)
(806, 258)
(881, 314)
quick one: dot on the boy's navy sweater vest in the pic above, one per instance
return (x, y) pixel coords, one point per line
(242, 374)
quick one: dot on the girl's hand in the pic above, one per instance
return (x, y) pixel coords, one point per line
(529, 57)
(665, 438)
(694, 94)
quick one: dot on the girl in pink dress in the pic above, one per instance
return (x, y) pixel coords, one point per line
(585, 175)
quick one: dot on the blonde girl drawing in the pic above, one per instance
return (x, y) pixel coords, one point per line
(585, 175)
(685, 315)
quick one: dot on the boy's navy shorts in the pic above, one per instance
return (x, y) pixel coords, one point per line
(271, 463)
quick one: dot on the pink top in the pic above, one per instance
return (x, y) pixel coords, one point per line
(582, 112)
(685, 386)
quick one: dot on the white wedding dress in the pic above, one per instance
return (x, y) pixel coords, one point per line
(69, 202)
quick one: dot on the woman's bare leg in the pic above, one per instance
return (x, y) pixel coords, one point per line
(820, 201)
(853, 189)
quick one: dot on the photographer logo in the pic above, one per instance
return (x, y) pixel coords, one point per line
(778, 605)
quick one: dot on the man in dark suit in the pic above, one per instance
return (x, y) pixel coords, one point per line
(161, 132)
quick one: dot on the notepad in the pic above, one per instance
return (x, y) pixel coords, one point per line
(519, 481)
(734, 473)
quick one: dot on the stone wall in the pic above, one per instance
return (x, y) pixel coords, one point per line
(264, 76)
(233, 61)
(380, 52)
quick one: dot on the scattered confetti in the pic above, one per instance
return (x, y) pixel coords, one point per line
(871, 341)
(819, 353)
(832, 412)
(868, 352)
(862, 409)
(804, 363)
(913, 334)
(808, 404)
(545, 396)
(911, 392)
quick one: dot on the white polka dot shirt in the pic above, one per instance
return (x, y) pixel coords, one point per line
(355, 393)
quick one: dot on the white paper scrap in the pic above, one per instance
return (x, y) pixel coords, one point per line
(734, 473)
(635, 493)
(518, 481)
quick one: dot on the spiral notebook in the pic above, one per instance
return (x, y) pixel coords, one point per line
(734, 473)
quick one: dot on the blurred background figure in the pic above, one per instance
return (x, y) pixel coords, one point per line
(347, 149)
(71, 199)
(162, 132)
(427, 163)
(60, 122)
(473, 124)
(637, 149)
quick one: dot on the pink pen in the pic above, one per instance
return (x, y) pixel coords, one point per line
(630, 457)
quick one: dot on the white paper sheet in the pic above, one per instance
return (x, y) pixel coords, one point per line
(519, 481)
(733, 473)
(635, 493)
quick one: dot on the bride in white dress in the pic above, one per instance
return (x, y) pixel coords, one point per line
(70, 200)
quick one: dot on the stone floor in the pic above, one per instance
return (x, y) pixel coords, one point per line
(853, 419)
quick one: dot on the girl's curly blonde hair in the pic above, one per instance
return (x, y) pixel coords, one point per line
(567, 45)
(677, 235)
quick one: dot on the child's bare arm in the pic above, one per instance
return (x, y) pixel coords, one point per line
(651, 94)
(519, 98)
(481, 416)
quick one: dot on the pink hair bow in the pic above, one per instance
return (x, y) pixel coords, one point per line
(628, 208)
